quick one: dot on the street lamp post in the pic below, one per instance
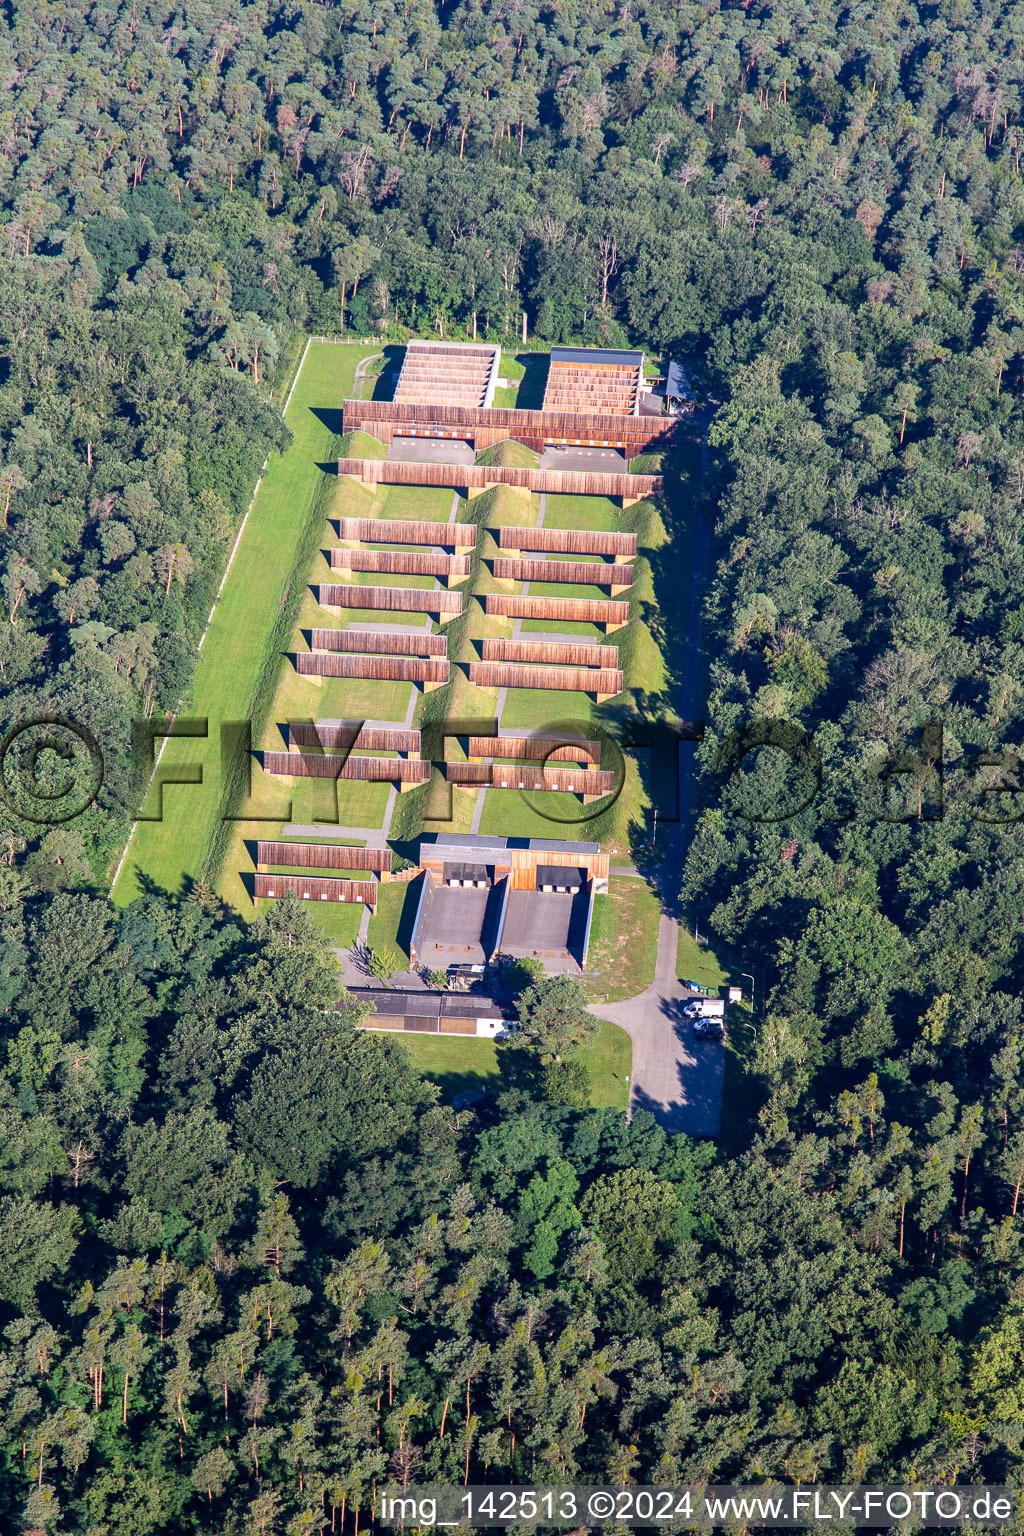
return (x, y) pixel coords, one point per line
(747, 976)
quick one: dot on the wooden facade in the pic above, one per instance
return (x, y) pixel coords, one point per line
(520, 864)
(447, 605)
(380, 530)
(362, 642)
(345, 735)
(316, 888)
(565, 541)
(401, 562)
(564, 653)
(587, 573)
(591, 783)
(384, 419)
(477, 478)
(406, 772)
(551, 749)
(322, 856)
(430, 671)
(603, 682)
(567, 610)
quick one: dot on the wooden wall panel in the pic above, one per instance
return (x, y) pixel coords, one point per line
(316, 888)
(569, 610)
(588, 573)
(322, 856)
(567, 541)
(390, 599)
(391, 669)
(551, 653)
(604, 682)
(380, 530)
(375, 770)
(363, 642)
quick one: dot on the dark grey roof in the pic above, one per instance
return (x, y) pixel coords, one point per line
(432, 1005)
(599, 355)
(462, 871)
(560, 874)
(678, 380)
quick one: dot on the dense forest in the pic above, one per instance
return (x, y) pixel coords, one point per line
(249, 1264)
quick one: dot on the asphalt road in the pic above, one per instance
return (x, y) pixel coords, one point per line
(679, 1079)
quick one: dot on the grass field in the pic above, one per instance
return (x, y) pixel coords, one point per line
(623, 940)
(385, 923)
(457, 1063)
(174, 850)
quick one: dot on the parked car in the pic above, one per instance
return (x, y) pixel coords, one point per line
(708, 1029)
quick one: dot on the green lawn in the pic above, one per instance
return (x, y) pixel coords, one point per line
(623, 940)
(385, 923)
(455, 1062)
(695, 962)
(610, 1061)
(458, 1062)
(234, 655)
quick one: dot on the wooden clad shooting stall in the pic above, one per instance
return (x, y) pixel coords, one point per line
(520, 864)
(404, 771)
(344, 735)
(462, 372)
(384, 419)
(552, 748)
(604, 682)
(447, 605)
(563, 653)
(323, 856)
(430, 671)
(363, 642)
(591, 783)
(401, 562)
(588, 573)
(593, 379)
(568, 610)
(565, 541)
(477, 478)
(380, 530)
(315, 888)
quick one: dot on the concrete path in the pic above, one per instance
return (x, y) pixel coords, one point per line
(373, 837)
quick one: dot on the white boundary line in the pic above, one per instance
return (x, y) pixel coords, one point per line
(213, 610)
